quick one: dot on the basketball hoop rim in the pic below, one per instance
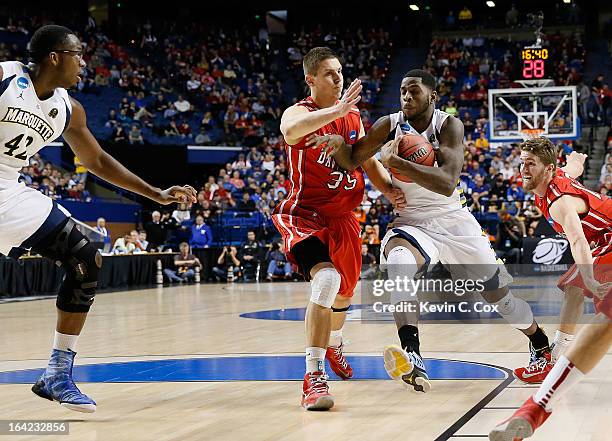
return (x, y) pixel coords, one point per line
(530, 133)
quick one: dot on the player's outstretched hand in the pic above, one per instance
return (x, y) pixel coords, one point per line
(388, 150)
(350, 98)
(599, 290)
(176, 193)
(333, 142)
(396, 197)
(577, 157)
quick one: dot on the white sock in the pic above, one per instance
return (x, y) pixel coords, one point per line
(65, 342)
(563, 338)
(315, 359)
(563, 376)
(335, 338)
(561, 343)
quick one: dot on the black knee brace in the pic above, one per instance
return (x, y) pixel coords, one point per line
(81, 261)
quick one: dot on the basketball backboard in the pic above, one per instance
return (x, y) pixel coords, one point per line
(514, 114)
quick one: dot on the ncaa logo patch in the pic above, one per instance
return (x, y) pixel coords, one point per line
(405, 127)
(549, 251)
(353, 135)
(22, 82)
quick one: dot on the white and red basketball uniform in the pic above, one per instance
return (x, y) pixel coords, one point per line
(597, 227)
(322, 199)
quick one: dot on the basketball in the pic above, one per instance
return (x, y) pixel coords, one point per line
(416, 149)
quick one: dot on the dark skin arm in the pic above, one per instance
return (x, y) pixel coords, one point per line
(100, 163)
(442, 179)
(347, 157)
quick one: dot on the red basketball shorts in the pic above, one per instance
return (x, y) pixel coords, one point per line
(602, 270)
(341, 234)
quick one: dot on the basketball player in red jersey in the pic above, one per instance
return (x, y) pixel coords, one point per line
(585, 217)
(316, 220)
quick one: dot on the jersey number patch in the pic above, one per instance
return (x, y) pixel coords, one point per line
(13, 145)
(337, 179)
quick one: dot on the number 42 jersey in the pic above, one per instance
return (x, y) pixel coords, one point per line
(27, 123)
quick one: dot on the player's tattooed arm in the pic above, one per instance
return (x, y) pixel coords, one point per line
(575, 164)
(442, 179)
(350, 157)
(565, 211)
(93, 157)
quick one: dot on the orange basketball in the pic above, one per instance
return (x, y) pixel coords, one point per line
(416, 149)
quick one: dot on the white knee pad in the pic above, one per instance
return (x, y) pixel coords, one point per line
(515, 311)
(402, 265)
(325, 285)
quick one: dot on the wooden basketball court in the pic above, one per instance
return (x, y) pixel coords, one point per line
(180, 363)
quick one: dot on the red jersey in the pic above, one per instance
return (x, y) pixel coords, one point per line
(317, 184)
(596, 223)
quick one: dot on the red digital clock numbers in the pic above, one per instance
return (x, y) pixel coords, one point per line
(534, 62)
(533, 69)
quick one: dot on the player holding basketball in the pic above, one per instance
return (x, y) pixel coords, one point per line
(434, 226)
(35, 109)
(319, 229)
(585, 217)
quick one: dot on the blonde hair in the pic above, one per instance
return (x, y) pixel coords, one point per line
(543, 148)
(315, 57)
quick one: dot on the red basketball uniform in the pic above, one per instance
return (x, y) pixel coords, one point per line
(597, 227)
(322, 199)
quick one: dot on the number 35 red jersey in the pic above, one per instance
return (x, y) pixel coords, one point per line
(316, 183)
(596, 223)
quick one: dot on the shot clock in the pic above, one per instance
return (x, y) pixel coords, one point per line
(534, 62)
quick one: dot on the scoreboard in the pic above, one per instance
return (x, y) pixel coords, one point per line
(534, 63)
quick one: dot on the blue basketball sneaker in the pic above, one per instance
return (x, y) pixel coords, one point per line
(56, 384)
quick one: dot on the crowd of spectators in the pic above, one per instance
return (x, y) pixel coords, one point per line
(208, 85)
(605, 179)
(195, 84)
(481, 16)
(49, 180)
(365, 54)
(203, 85)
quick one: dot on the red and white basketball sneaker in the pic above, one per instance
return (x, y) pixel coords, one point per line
(315, 392)
(338, 363)
(536, 371)
(522, 424)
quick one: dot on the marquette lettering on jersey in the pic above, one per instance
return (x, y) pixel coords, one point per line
(30, 120)
(27, 124)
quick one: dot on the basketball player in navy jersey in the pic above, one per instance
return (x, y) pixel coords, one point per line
(434, 226)
(35, 109)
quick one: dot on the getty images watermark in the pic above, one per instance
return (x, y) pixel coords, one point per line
(469, 293)
(400, 295)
